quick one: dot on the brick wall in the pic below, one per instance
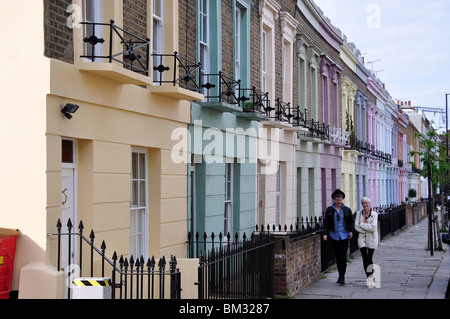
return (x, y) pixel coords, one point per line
(415, 213)
(297, 264)
(187, 29)
(255, 46)
(135, 22)
(135, 17)
(58, 37)
(304, 27)
(227, 39)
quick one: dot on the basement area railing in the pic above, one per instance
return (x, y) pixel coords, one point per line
(131, 278)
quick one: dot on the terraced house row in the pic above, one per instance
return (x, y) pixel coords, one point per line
(151, 119)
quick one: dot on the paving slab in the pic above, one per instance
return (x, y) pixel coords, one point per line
(407, 271)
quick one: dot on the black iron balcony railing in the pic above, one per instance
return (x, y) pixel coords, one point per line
(136, 50)
(358, 145)
(255, 101)
(220, 88)
(300, 118)
(319, 130)
(370, 149)
(184, 72)
(380, 155)
(315, 128)
(282, 111)
(136, 55)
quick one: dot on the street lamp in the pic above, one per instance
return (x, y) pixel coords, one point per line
(446, 144)
(446, 123)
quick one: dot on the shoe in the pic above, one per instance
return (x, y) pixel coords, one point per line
(341, 280)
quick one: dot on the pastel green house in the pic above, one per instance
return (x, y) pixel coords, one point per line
(222, 176)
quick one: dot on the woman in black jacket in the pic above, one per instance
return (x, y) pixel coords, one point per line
(338, 226)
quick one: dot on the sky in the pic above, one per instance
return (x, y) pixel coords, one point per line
(408, 42)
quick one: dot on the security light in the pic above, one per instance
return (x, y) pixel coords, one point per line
(68, 109)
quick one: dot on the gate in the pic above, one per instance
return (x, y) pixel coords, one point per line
(234, 269)
(130, 278)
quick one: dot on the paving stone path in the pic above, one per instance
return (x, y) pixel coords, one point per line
(407, 271)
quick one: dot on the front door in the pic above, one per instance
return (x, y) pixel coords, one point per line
(68, 203)
(68, 212)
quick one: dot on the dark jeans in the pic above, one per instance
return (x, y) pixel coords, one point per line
(367, 254)
(340, 248)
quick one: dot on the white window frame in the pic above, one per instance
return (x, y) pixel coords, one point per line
(303, 84)
(278, 191)
(97, 16)
(238, 31)
(228, 204)
(270, 14)
(314, 68)
(204, 13)
(139, 210)
(158, 37)
(264, 61)
(284, 66)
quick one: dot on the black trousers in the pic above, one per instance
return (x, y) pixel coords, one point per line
(340, 248)
(367, 254)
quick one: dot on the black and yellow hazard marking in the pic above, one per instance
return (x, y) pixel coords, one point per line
(91, 283)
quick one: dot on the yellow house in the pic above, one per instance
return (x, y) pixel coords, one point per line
(86, 126)
(348, 169)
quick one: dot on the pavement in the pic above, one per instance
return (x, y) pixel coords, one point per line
(406, 271)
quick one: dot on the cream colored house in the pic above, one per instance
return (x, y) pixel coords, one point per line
(109, 163)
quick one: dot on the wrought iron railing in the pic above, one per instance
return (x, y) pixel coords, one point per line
(235, 268)
(315, 129)
(340, 136)
(300, 118)
(358, 145)
(318, 130)
(304, 226)
(282, 111)
(130, 278)
(370, 149)
(220, 88)
(255, 101)
(136, 50)
(136, 56)
(184, 72)
(391, 219)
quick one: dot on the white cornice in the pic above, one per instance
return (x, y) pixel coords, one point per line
(288, 21)
(272, 4)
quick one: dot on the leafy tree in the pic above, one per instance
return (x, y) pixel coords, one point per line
(435, 154)
(435, 157)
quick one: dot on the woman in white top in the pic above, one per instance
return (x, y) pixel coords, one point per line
(366, 223)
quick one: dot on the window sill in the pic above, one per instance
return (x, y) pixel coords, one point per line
(221, 106)
(114, 72)
(277, 124)
(252, 116)
(176, 92)
(313, 140)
